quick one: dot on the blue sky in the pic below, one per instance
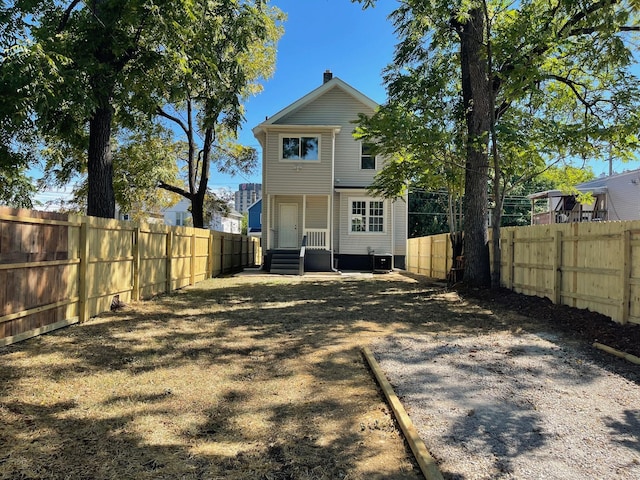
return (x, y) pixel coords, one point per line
(355, 44)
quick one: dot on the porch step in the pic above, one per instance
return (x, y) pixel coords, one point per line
(286, 263)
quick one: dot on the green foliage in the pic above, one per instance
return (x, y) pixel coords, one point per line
(140, 163)
(82, 71)
(545, 82)
(244, 226)
(17, 189)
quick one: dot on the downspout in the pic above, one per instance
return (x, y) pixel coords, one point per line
(268, 210)
(331, 195)
(393, 236)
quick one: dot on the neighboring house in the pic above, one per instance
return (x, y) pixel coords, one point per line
(228, 223)
(254, 227)
(179, 215)
(616, 197)
(314, 186)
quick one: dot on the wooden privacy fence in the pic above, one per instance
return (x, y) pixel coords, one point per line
(58, 269)
(430, 256)
(590, 265)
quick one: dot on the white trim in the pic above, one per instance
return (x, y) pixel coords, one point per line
(367, 201)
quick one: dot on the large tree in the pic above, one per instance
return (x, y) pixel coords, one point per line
(109, 60)
(236, 49)
(554, 72)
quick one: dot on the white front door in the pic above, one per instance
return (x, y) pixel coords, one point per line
(288, 226)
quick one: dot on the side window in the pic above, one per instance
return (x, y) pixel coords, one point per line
(181, 219)
(366, 216)
(367, 160)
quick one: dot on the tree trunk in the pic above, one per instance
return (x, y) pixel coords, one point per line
(475, 93)
(495, 240)
(197, 199)
(197, 209)
(101, 200)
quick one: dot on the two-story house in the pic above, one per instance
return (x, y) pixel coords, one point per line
(314, 187)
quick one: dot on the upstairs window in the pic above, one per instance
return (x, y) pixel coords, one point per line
(367, 160)
(366, 216)
(182, 219)
(301, 148)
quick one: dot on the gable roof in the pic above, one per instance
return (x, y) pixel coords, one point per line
(595, 186)
(335, 82)
(604, 181)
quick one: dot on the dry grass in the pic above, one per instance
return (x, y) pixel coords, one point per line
(236, 378)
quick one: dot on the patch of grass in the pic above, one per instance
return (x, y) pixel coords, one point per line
(235, 378)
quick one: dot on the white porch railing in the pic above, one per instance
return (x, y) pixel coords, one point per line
(317, 239)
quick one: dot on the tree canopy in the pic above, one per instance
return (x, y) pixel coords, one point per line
(538, 81)
(86, 73)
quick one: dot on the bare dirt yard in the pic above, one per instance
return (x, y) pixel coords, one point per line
(261, 377)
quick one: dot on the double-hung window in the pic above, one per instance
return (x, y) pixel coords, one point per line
(367, 159)
(300, 148)
(366, 216)
(182, 219)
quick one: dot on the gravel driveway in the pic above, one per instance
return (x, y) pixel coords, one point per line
(507, 405)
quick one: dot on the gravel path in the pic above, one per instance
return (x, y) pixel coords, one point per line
(515, 406)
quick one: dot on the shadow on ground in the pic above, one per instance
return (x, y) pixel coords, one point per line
(234, 378)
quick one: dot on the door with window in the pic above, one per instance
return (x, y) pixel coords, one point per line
(288, 226)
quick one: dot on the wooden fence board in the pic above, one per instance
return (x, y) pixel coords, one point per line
(430, 256)
(592, 265)
(59, 269)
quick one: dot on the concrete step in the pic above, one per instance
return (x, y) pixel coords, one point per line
(285, 271)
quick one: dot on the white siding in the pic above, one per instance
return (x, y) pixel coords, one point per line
(360, 243)
(623, 198)
(400, 226)
(336, 107)
(316, 214)
(283, 178)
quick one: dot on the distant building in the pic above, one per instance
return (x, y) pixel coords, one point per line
(247, 195)
(179, 215)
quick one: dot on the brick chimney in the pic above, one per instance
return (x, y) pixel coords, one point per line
(327, 76)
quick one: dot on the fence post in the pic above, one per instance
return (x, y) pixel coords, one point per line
(557, 267)
(169, 260)
(626, 274)
(510, 254)
(431, 256)
(192, 276)
(136, 263)
(83, 274)
(222, 238)
(210, 256)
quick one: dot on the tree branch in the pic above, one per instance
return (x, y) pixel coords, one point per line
(572, 85)
(67, 14)
(168, 116)
(174, 189)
